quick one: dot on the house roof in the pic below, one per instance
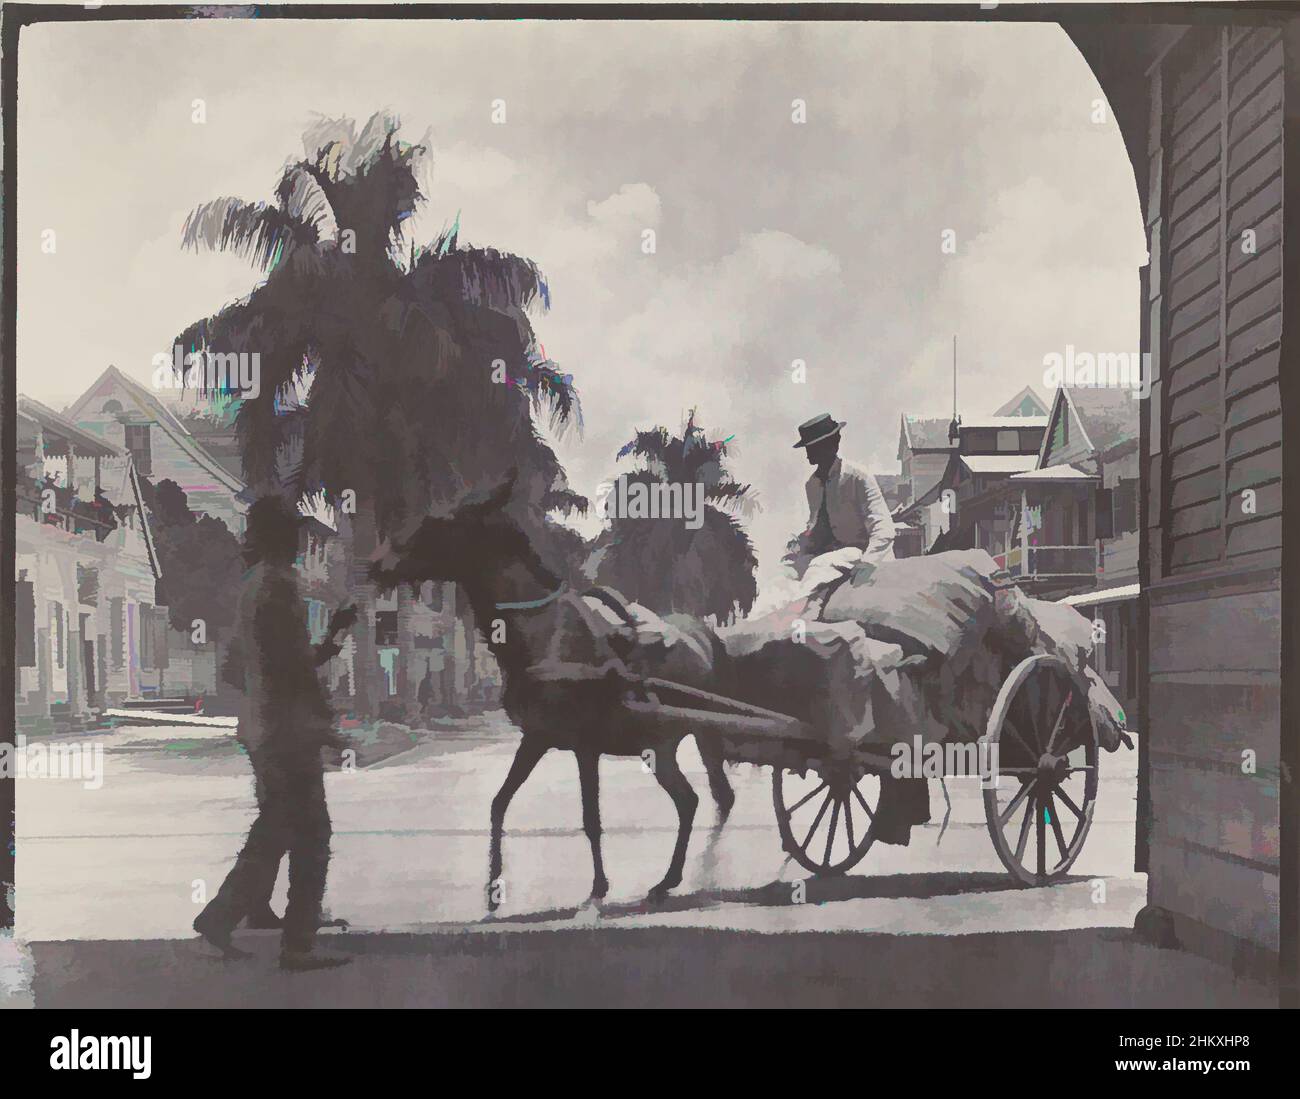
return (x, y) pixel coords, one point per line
(1062, 472)
(923, 433)
(1103, 595)
(1109, 416)
(1026, 394)
(999, 463)
(83, 442)
(164, 417)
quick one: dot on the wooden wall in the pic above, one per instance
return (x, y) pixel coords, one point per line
(1213, 549)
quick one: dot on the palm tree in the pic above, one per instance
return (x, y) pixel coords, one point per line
(663, 564)
(393, 378)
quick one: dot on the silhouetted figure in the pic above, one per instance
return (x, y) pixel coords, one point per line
(284, 722)
(424, 693)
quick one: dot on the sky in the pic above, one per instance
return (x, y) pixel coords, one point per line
(775, 240)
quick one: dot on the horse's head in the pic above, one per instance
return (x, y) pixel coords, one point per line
(476, 536)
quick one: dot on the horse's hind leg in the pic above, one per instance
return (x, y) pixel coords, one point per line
(685, 799)
(589, 777)
(525, 760)
(719, 785)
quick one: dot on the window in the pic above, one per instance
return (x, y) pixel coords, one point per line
(1009, 440)
(1104, 508)
(1126, 505)
(146, 635)
(385, 628)
(137, 442)
(87, 585)
(112, 407)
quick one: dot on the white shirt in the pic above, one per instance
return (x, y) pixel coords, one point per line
(856, 508)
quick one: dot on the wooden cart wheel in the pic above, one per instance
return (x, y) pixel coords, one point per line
(1039, 809)
(826, 821)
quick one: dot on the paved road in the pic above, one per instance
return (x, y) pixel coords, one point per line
(410, 849)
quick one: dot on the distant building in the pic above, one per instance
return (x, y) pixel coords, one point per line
(88, 632)
(129, 416)
(924, 447)
(952, 464)
(1084, 498)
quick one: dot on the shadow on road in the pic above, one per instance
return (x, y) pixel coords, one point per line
(649, 966)
(919, 886)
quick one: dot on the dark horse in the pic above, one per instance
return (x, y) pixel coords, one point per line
(565, 670)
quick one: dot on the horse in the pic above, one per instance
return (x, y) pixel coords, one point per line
(564, 669)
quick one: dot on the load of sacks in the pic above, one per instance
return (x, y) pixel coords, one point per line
(917, 646)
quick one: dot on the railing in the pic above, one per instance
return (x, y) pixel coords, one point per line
(74, 522)
(1051, 561)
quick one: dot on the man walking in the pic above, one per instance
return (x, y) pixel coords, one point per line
(284, 721)
(848, 519)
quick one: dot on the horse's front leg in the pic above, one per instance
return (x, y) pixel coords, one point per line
(526, 757)
(589, 778)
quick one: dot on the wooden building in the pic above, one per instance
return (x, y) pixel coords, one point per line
(1210, 114)
(86, 626)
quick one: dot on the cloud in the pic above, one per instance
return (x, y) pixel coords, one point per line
(634, 204)
(468, 166)
(775, 240)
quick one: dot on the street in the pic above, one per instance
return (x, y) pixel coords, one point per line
(410, 847)
(134, 859)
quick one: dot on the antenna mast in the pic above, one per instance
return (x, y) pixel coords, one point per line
(954, 426)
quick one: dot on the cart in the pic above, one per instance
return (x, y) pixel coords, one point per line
(1039, 791)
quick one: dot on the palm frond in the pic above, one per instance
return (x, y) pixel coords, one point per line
(646, 444)
(303, 199)
(565, 501)
(253, 230)
(479, 276)
(325, 141)
(733, 497)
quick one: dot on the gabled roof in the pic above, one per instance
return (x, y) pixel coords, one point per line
(1107, 416)
(163, 417)
(1019, 400)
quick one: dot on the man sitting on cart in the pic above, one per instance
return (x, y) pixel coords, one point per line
(849, 523)
(848, 519)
